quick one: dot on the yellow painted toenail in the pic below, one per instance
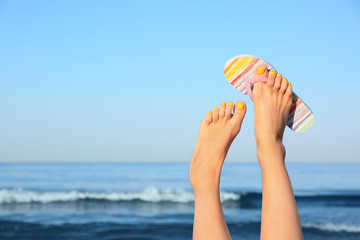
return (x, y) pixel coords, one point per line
(239, 106)
(284, 79)
(279, 75)
(223, 104)
(209, 112)
(216, 109)
(272, 73)
(230, 103)
(289, 84)
(261, 70)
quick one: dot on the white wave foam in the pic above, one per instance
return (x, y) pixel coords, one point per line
(331, 227)
(148, 195)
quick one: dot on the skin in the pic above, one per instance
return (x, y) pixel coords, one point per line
(272, 102)
(217, 131)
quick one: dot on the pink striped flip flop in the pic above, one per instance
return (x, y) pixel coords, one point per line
(239, 71)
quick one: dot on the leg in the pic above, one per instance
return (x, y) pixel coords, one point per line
(217, 131)
(272, 101)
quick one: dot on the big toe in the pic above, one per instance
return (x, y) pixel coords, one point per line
(261, 71)
(239, 111)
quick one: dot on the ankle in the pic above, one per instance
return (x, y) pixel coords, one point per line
(270, 152)
(265, 143)
(205, 179)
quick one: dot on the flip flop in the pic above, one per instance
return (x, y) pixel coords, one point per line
(239, 71)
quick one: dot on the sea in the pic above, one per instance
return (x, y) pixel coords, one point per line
(108, 201)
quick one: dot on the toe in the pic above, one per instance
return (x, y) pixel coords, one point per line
(240, 109)
(208, 117)
(222, 110)
(238, 117)
(261, 71)
(216, 114)
(288, 91)
(283, 85)
(228, 111)
(278, 79)
(271, 79)
(288, 94)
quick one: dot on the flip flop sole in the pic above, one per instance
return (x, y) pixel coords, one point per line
(242, 67)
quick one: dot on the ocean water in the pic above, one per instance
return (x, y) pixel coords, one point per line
(108, 201)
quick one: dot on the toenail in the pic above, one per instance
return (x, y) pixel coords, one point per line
(289, 84)
(279, 75)
(209, 112)
(284, 79)
(223, 104)
(272, 73)
(239, 106)
(261, 70)
(230, 103)
(216, 109)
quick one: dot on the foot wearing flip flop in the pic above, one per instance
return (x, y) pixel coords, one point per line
(272, 102)
(217, 131)
(241, 72)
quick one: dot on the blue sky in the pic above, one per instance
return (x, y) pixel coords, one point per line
(131, 80)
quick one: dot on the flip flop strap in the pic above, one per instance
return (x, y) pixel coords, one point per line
(248, 82)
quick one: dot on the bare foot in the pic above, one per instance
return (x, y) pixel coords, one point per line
(272, 102)
(217, 131)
